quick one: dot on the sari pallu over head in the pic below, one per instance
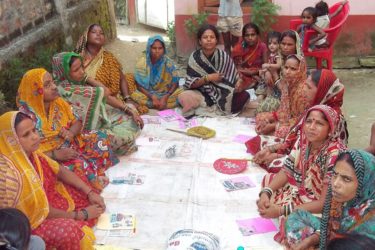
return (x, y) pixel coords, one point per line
(87, 101)
(220, 93)
(30, 100)
(162, 72)
(330, 92)
(358, 214)
(304, 169)
(293, 102)
(20, 184)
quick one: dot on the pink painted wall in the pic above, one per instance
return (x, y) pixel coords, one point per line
(295, 7)
(356, 39)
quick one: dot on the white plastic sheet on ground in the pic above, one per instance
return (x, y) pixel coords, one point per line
(185, 192)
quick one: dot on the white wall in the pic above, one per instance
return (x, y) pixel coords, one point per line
(295, 7)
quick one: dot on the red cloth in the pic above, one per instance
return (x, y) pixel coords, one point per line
(62, 233)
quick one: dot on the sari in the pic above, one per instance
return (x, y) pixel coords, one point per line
(24, 185)
(86, 101)
(330, 92)
(292, 104)
(120, 127)
(272, 101)
(219, 94)
(354, 216)
(249, 58)
(307, 171)
(158, 78)
(105, 68)
(95, 153)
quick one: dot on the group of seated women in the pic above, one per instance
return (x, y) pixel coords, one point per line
(74, 123)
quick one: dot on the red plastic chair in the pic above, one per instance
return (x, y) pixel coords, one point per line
(333, 32)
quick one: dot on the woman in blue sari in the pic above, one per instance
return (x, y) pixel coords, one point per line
(156, 77)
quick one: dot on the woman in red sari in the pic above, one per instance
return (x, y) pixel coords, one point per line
(60, 206)
(249, 55)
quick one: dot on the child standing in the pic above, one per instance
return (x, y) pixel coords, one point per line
(274, 58)
(230, 23)
(309, 16)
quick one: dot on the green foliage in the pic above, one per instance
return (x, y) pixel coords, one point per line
(263, 14)
(192, 25)
(15, 68)
(171, 33)
(3, 104)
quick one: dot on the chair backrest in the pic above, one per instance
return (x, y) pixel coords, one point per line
(337, 22)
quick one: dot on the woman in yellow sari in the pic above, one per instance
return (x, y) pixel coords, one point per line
(59, 205)
(103, 66)
(87, 152)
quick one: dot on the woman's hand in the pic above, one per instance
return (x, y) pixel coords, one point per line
(263, 202)
(66, 134)
(155, 101)
(215, 77)
(163, 102)
(265, 127)
(94, 211)
(137, 119)
(96, 199)
(272, 212)
(261, 155)
(65, 154)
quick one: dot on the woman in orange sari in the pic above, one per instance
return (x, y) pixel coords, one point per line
(249, 55)
(293, 103)
(59, 205)
(88, 152)
(104, 67)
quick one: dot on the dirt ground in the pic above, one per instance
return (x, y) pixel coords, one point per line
(359, 107)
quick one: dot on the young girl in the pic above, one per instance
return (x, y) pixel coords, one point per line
(309, 17)
(274, 58)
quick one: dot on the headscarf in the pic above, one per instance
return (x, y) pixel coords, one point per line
(148, 74)
(20, 185)
(88, 102)
(61, 68)
(30, 98)
(300, 157)
(357, 214)
(293, 102)
(330, 91)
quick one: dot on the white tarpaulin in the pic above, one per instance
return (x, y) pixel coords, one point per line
(185, 191)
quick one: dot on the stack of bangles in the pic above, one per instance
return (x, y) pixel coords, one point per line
(205, 79)
(84, 212)
(286, 209)
(267, 191)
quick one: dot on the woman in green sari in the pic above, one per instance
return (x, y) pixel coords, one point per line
(349, 206)
(120, 121)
